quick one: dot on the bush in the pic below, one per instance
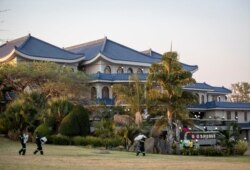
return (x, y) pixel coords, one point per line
(76, 123)
(43, 130)
(240, 147)
(211, 151)
(96, 141)
(59, 140)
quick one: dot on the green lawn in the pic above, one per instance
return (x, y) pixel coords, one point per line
(76, 157)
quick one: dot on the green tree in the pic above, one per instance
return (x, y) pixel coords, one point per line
(229, 138)
(50, 78)
(105, 128)
(23, 112)
(76, 123)
(133, 96)
(165, 89)
(240, 92)
(57, 109)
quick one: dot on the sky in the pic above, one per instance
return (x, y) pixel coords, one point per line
(213, 34)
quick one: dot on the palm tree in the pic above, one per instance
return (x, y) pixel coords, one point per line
(165, 88)
(133, 96)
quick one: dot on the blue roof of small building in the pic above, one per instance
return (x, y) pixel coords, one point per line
(213, 105)
(206, 87)
(35, 47)
(116, 51)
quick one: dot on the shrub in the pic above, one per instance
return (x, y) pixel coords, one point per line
(211, 151)
(240, 147)
(59, 140)
(76, 123)
(97, 141)
(43, 130)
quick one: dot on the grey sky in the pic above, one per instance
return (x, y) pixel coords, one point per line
(214, 34)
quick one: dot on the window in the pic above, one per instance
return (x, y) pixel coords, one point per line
(105, 92)
(245, 116)
(202, 99)
(120, 70)
(93, 93)
(139, 71)
(107, 70)
(130, 70)
(228, 115)
(219, 99)
(236, 115)
(225, 98)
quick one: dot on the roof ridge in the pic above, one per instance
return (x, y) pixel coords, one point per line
(104, 43)
(86, 43)
(22, 45)
(55, 46)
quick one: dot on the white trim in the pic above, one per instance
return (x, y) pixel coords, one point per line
(100, 55)
(8, 56)
(196, 89)
(48, 59)
(110, 81)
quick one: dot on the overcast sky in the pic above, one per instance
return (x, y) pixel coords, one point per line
(213, 34)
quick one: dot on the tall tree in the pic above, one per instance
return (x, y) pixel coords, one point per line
(133, 96)
(240, 92)
(165, 87)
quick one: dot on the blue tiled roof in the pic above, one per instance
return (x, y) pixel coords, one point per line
(221, 105)
(34, 47)
(208, 88)
(158, 57)
(116, 51)
(90, 49)
(221, 90)
(115, 77)
(199, 86)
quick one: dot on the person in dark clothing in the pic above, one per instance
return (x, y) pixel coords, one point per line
(39, 144)
(141, 147)
(23, 139)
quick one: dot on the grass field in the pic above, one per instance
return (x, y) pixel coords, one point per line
(75, 157)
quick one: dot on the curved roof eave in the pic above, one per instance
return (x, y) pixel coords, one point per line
(7, 57)
(100, 55)
(48, 59)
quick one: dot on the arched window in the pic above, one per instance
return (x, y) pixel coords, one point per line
(139, 71)
(93, 93)
(130, 70)
(202, 99)
(107, 70)
(105, 92)
(219, 99)
(120, 70)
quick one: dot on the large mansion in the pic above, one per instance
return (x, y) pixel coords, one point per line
(109, 62)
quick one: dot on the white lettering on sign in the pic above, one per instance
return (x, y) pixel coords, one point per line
(203, 136)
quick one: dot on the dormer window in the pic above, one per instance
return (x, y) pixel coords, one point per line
(139, 71)
(107, 70)
(120, 70)
(130, 70)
